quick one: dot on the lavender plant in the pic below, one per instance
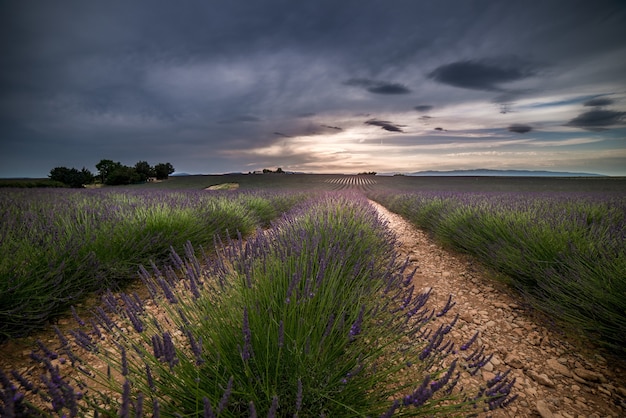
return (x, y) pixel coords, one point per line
(314, 317)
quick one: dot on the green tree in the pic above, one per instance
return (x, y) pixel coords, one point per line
(144, 170)
(163, 170)
(123, 175)
(72, 176)
(105, 168)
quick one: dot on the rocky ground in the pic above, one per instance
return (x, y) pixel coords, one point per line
(554, 377)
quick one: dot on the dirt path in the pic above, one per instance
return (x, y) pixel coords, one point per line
(553, 378)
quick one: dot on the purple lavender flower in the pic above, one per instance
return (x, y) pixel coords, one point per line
(125, 406)
(355, 329)
(251, 410)
(449, 305)
(49, 353)
(84, 340)
(196, 347)
(167, 291)
(246, 351)
(422, 394)
(392, 409)
(132, 316)
(299, 396)
(26, 384)
(156, 410)
(169, 350)
(149, 378)
(124, 361)
(273, 408)
(226, 395)
(139, 406)
(207, 409)
(76, 317)
(470, 342)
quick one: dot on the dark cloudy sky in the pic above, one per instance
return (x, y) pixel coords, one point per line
(316, 86)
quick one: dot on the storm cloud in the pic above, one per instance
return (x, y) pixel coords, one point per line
(385, 124)
(377, 86)
(600, 101)
(251, 83)
(485, 75)
(520, 128)
(597, 119)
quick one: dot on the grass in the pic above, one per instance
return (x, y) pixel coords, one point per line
(564, 252)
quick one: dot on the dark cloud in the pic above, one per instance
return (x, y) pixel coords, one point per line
(386, 125)
(423, 108)
(377, 86)
(599, 101)
(332, 127)
(597, 119)
(481, 74)
(282, 134)
(520, 128)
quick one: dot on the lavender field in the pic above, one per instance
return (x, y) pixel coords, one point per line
(312, 314)
(61, 244)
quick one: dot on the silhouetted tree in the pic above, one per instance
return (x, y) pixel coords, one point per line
(163, 170)
(123, 175)
(71, 176)
(145, 170)
(105, 168)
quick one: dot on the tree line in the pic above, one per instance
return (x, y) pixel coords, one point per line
(111, 173)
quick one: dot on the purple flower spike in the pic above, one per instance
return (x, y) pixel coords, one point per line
(356, 327)
(273, 408)
(252, 412)
(246, 351)
(76, 317)
(125, 407)
(207, 408)
(449, 305)
(299, 396)
(224, 401)
(470, 342)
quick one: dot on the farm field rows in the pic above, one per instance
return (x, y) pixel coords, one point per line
(564, 227)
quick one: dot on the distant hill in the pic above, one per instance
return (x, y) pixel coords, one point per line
(502, 173)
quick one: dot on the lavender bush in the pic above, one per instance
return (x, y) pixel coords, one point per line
(564, 251)
(314, 317)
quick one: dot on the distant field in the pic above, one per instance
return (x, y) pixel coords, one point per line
(453, 184)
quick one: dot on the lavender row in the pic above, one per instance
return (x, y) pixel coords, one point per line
(564, 252)
(61, 244)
